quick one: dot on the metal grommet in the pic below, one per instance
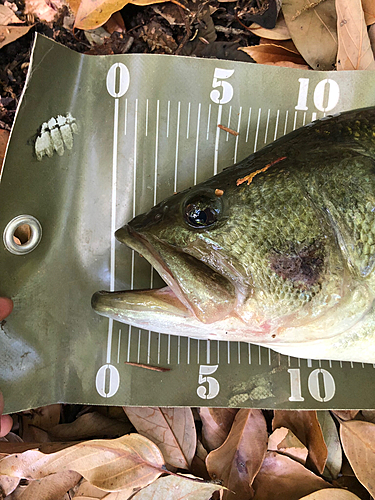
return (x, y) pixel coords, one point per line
(31, 243)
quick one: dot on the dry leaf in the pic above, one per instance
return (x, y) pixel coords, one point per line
(43, 9)
(7, 485)
(279, 32)
(282, 478)
(179, 487)
(129, 462)
(284, 441)
(305, 425)
(9, 34)
(44, 417)
(238, 460)
(331, 494)
(277, 51)
(368, 415)
(172, 429)
(49, 487)
(288, 64)
(332, 440)
(4, 137)
(93, 13)
(358, 442)
(7, 16)
(216, 424)
(354, 49)
(346, 414)
(368, 7)
(86, 491)
(313, 31)
(89, 425)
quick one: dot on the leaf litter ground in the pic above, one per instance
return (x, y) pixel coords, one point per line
(71, 451)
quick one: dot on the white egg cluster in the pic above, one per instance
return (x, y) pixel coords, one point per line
(56, 135)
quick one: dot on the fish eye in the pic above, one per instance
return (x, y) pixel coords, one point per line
(201, 211)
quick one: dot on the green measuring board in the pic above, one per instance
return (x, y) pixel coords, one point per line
(98, 140)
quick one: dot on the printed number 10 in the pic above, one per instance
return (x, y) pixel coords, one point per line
(327, 86)
(315, 386)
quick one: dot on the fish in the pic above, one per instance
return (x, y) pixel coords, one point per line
(277, 250)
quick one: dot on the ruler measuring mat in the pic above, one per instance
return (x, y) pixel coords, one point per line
(148, 128)
(255, 127)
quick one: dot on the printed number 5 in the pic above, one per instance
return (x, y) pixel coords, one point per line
(219, 75)
(213, 384)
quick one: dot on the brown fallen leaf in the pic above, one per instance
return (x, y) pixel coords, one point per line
(305, 425)
(240, 457)
(9, 34)
(332, 441)
(284, 441)
(369, 11)
(93, 13)
(273, 51)
(371, 35)
(354, 49)
(8, 484)
(7, 16)
(171, 429)
(4, 137)
(44, 417)
(288, 64)
(358, 442)
(216, 424)
(179, 487)
(282, 478)
(49, 487)
(313, 31)
(346, 414)
(279, 32)
(43, 9)
(87, 426)
(331, 494)
(368, 415)
(126, 463)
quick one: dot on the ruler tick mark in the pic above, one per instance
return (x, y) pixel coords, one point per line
(269, 357)
(218, 351)
(188, 351)
(198, 349)
(239, 352)
(118, 346)
(139, 346)
(276, 124)
(216, 157)
(178, 349)
(159, 341)
(156, 150)
(168, 114)
(208, 121)
(149, 347)
(169, 350)
(208, 353)
(126, 116)
(228, 348)
(259, 355)
(229, 115)
(146, 127)
(177, 141)
(249, 349)
(286, 121)
(237, 136)
(196, 145)
(304, 118)
(188, 122)
(257, 130)
(295, 120)
(248, 125)
(129, 343)
(267, 124)
(309, 363)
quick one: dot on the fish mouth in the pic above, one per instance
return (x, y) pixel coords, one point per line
(194, 290)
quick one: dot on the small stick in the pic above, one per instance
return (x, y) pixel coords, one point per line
(149, 367)
(226, 129)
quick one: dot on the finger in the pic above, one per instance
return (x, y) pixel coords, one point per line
(6, 306)
(6, 424)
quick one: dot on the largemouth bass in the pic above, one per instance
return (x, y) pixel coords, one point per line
(277, 250)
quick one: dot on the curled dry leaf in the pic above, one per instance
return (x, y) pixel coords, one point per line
(43, 9)
(89, 425)
(280, 477)
(273, 51)
(126, 463)
(279, 32)
(369, 11)
(331, 494)
(8, 484)
(313, 31)
(346, 414)
(284, 441)
(358, 442)
(171, 429)
(93, 13)
(332, 440)
(53, 486)
(239, 459)
(9, 34)
(354, 49)
(305, 425)
(7, 16)
(179, 487)
(44, 417)
(216, 424)
(86, 491)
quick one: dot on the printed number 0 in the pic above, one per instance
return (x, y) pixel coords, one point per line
(118, 80)
(219, 75)
(213, 384)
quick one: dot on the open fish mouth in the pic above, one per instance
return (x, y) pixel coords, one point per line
(195, 293)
